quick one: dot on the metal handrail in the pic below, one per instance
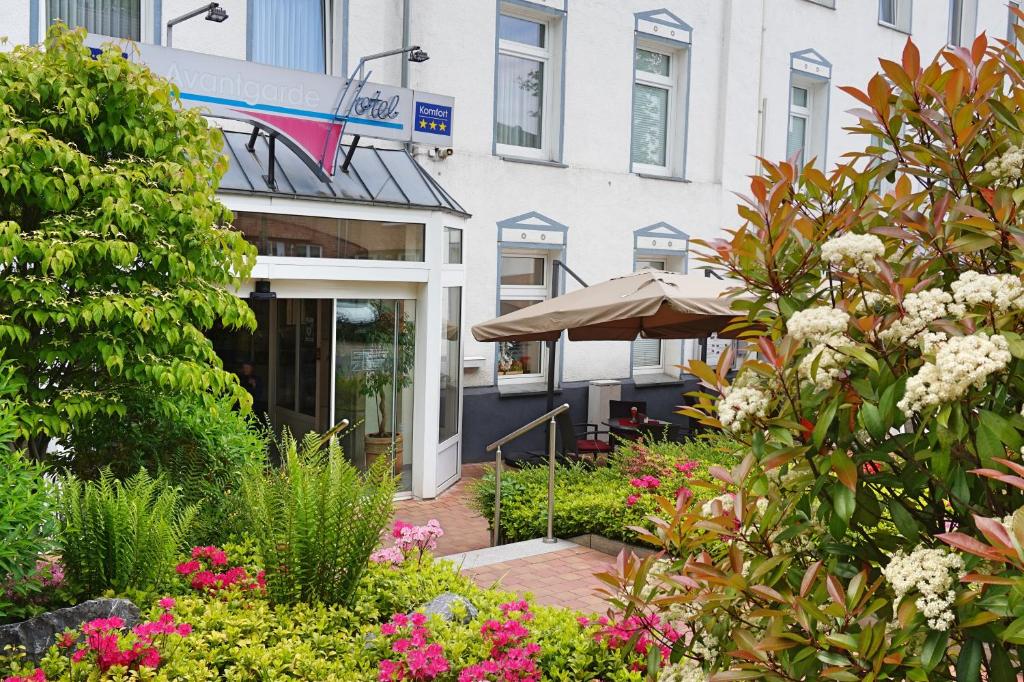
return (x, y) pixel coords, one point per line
(496, 445)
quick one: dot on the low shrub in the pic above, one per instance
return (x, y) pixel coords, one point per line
(605, 500)
(26, 514)
(202, 449)
(120, 535)
(316, 519)
(245, 636)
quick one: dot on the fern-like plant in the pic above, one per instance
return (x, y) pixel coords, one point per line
(120, 535)
(316, 519)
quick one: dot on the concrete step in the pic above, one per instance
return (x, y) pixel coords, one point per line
(510, 552)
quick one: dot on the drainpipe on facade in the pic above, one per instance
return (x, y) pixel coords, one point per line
(762, 101)
(405, 62)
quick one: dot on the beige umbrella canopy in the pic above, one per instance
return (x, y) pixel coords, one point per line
(650, 303)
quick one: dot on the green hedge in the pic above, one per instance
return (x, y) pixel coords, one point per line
(248, 638)
(594, 500)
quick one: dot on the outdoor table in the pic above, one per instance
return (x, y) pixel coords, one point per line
(624, 427)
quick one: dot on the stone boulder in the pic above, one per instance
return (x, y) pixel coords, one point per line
(442, 605)
(38, 634)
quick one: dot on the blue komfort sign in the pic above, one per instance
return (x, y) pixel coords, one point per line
(302, 108)
(432, 118)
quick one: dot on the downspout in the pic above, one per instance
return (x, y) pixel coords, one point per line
(762, 102)
(405, 61)
(405, 42)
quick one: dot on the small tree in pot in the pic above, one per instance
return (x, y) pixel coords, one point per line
(388, 368)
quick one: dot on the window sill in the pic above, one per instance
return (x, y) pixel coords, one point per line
(893, 27)
(514, 390)
(534, 162)
(657, 379)
(669, 178)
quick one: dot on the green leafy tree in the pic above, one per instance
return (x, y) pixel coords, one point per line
(114, 251)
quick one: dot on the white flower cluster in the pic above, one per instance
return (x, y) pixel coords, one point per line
(728, 502)
(684, 671)
(960, 362)
(683, 612)
(920, 310)
(877, 301)
(830, 363)
(818, 324)
(858, 249)
(1008, 165)
(740, 404)
(705, 646)
(932, 573)
(1003, 292)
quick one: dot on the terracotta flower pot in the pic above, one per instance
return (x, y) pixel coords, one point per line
(376, 446)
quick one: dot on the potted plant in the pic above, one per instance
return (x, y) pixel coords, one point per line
(388, 371)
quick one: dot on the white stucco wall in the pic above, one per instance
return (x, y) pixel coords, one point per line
(595, 195)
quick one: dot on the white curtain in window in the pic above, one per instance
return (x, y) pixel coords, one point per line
(797, 139)
(117, 18)
(520, 101)
(289, 34)
(650, 124)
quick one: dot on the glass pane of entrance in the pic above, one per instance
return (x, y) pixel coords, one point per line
(374, 362)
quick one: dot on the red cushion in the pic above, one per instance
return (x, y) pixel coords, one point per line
(592, 446)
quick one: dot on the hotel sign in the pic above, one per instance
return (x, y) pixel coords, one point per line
(305, 109)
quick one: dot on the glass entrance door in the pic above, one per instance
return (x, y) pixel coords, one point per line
(374, 360)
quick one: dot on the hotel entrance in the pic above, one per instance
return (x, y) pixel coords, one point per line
(364, 348)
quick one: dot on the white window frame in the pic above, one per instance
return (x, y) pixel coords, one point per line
(675, 122)
(550, 57)
(1011, 21)
(966, 23)
(903, 13)
(148, 12)
(521, 292)
(807, 114)
(828, 4)
(642, 261)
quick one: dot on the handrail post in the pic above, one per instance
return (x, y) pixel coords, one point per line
(497, 498)
(551, 483)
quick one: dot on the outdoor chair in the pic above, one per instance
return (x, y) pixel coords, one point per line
(573, 445)
(619, 409)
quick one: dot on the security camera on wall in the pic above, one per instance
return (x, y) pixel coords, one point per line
(440, 153)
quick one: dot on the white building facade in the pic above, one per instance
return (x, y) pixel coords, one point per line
(604, 134)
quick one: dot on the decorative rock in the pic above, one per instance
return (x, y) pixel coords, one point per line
(38, 634)
(442, 605)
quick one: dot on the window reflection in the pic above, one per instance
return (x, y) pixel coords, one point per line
(320, 237)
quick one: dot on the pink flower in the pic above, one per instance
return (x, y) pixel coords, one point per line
(632, 499)
(398, 527)
(188, 567)
(37, 676)
(167, 603)
(687, 467)
(391, 556)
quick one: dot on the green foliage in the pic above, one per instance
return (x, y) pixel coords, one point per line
(594, 500)
(316, 519)
(245, 637)
(878, 524)
(121, 535)
(197, 447)
(396, 359)
(115, 252)
(26, 513)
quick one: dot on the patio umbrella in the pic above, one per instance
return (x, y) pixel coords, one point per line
(652, 304)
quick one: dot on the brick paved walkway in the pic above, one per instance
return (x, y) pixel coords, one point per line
(559, 578)
(464, 529)
(564, 578)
